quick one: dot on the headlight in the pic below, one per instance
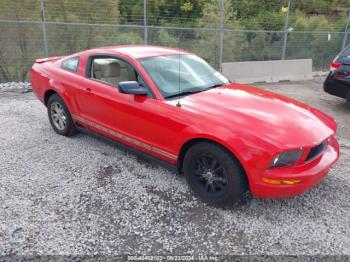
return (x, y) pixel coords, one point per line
(289, 158)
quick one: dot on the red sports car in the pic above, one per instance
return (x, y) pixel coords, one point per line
(170, 104)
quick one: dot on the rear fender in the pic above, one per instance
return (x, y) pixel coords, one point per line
(61, 91)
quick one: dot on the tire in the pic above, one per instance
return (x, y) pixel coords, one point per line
(348, 98)
(60, 117)
(214, 175)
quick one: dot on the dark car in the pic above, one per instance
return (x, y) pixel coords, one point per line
(338, 80)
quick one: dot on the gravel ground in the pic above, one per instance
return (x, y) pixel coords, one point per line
(83, 196)
(19, 87)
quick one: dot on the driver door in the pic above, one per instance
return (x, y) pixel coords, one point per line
(123, 117)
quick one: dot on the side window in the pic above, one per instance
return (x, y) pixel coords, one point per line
(71, 64)
(112, 70)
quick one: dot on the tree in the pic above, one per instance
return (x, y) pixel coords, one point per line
(17, 43)
(79, 37)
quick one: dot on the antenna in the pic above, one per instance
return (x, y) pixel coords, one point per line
(179, 78)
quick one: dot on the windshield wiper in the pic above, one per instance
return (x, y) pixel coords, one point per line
(190, 92)
(184, 93)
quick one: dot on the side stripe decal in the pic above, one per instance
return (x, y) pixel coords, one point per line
(124, 137)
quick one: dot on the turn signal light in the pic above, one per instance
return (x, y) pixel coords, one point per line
(280, 182)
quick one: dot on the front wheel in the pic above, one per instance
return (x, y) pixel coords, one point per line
(59, 116)
(214, 175)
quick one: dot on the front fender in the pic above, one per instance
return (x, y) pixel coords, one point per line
(253, 153)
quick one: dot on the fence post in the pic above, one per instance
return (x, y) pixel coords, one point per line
(43, 26)
(221, 42)
(285, 33)
(346, 32)
(145, 28)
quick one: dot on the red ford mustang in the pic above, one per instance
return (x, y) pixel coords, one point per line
(170, 104)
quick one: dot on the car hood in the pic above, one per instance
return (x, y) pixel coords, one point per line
(279, 120)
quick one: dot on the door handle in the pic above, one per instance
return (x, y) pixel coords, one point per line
(87, 89)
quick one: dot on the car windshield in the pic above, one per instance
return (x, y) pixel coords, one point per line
(181, 74)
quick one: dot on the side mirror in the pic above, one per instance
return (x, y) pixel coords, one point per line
(132, 87)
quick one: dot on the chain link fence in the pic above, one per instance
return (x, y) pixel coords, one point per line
(31, 29)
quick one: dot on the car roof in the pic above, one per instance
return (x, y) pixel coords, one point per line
(142, 51)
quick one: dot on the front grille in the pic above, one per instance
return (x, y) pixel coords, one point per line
(316, 150)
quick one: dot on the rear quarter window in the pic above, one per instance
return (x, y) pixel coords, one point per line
(71, 64)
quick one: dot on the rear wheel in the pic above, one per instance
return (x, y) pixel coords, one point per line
(214, 175)
(59, 116)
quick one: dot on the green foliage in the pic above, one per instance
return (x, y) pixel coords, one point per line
(321, 6)
(253, 29)
(82, 11)
(247, 9)
(164, 37)
(162, 12)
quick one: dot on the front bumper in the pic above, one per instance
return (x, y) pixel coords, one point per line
(309, 174)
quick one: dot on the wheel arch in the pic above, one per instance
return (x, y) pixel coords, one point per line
(61, 93)
(188, 144)
(48, 93)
